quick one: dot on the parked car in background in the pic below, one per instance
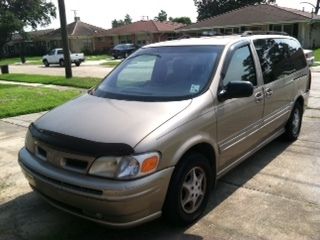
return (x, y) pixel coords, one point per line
(123, 50)
(154, 137)
(55, 56)
(309, 56)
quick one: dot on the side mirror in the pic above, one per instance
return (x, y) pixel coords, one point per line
(236, 89)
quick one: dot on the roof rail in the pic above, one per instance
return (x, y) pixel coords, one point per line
(250, 33)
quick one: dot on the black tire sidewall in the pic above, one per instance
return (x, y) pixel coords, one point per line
(290, 135)
(61, 63)
(172, 209)
(46, 63)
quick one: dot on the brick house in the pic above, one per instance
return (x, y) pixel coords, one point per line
(81, 39)
(140, 33)
(303, 25)
(80, 34)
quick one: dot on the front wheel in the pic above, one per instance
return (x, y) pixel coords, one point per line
(293, 126)
(46, 63)
(189, 190)
(77, 64)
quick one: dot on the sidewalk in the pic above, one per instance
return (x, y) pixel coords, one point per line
(57, 87)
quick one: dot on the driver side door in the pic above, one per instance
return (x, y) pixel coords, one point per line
(239, 119)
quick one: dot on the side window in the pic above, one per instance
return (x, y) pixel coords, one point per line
(297, 56)
(60, 52)
(241, 67)
(278, 58)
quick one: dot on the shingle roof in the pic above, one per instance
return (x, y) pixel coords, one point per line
(31, 34)
(256, 14)
(143, 26)
(78, 29)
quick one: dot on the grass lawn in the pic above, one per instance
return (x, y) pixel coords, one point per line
(55, 80)
(98, 57)
(18, 100)
(30, 60)
(111, 64)
(317, 55)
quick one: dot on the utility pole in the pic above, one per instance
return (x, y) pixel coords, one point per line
(64, 37)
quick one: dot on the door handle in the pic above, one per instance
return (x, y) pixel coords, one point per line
(259, 97)
(269, 92)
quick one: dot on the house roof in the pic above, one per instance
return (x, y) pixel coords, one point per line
(143, 26)
(255, 14)
(31, 34)
(77, 29)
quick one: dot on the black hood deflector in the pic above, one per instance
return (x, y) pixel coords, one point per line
(78, 145)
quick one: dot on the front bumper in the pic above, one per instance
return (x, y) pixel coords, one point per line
(110, 202)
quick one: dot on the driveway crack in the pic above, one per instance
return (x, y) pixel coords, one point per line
(269, 193)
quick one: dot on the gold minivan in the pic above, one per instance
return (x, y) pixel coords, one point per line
(155, 135)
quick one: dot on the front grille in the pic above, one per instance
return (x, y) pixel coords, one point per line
(64, 184)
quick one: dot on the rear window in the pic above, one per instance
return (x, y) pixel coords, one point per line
(279, 57)
(162, 74)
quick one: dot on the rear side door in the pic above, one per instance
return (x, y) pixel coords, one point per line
(239, 120)
(278, 75)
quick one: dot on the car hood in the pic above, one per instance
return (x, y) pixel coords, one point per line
(108, 120)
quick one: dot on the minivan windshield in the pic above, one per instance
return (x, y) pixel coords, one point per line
(162, 74)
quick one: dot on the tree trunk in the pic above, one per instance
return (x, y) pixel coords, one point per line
(317, 7)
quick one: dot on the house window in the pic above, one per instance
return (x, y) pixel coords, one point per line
(277, 28)
(288, 29)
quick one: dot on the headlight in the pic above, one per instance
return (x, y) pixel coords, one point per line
(128, 167)
(29, 142)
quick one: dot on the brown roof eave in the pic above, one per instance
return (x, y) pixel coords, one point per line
(242, 24)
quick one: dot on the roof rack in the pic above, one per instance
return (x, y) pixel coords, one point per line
(250, 33)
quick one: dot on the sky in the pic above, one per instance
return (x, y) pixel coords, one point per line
(102, 12)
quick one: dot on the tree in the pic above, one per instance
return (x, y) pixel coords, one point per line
(118, 23)
(183, 20)
(127, 19)
(162, 16)
(16, 15)
(211, 8)
(317, 7)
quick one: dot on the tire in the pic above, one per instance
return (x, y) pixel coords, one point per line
(184, 202)
(293, 126)
(61, 63)
(46, 63)
(77, 64)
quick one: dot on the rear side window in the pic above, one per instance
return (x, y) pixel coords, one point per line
(60, 52)
(279, 58)
(241, 67)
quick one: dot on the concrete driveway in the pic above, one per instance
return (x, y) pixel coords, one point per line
(85, 70)
(273, 195)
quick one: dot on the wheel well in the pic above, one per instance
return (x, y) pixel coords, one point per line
(207, 150)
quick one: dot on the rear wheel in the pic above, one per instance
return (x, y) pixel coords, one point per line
(77, 63)
(61, 63)
(294, 123)
(46, 63)
(189, 190)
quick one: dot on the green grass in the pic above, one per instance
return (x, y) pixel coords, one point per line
(30, 60)
(98, 57)
(55, 80)
(317, 55)
(18, 100)
(110, 64)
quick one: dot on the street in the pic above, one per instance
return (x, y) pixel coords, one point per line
(273, 195)
(85, 70)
